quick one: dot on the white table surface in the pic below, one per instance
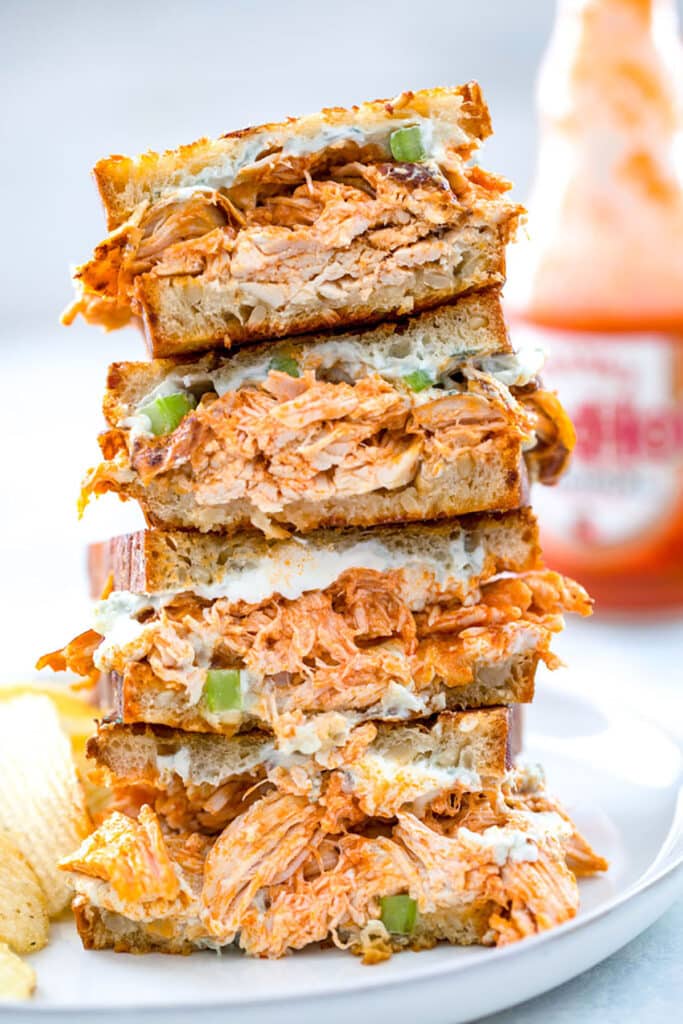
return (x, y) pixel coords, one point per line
(641, 983)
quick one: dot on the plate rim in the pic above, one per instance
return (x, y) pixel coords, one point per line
(437, 970)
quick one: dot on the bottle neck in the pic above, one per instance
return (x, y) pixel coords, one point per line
(614, 65)
(606, 209)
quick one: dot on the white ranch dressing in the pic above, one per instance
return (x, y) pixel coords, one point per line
(224, 173)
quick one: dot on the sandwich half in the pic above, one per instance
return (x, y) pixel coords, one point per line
(429, 417)
(309, 637)
(466, 864)
(100, 562)
(346, 216)
(202, 781)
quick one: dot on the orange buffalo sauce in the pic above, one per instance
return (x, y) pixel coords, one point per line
(599, 285)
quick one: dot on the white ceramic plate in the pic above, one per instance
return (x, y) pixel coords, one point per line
(619, 775)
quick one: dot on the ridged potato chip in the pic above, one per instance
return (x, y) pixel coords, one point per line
(24, 923)
(41, 799)
(77, 718)
(17, 979)
(76, 715)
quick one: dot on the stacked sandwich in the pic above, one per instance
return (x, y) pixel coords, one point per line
(315, 647)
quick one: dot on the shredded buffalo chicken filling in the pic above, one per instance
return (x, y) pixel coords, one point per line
(273, 236)
(348, 783)
(337, 649)
(286, 873)
(290, 439)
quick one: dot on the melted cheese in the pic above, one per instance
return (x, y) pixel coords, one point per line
(319, 735)
(353, 360)
(294, 567)
(178, 764)
(400, 702)
(547, 823)
(529, 776)
(505, 843)
(116, 620)
(514, 369)
(516, 844)
(385, 784)
(382, 783)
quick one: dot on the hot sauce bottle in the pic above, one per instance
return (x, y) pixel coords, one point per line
(599, 285)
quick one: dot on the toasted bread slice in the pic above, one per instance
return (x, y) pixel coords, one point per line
(473, 548)
(494, 679)
(464, 925)
(125, 182)
(497, 480)
(313, 224)
(184, 314)
(476, 741)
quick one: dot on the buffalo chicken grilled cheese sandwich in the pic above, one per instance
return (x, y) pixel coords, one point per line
(414, 835)
(348, 216)
(309, 637)
(430, 417)
(315, 657)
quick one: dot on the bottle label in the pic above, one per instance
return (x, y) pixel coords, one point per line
(624, 394)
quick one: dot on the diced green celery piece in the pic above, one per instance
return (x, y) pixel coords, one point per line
(399, 914)
(165, 413)
(418, 380)
(222, 690)
(406, 144)
(285, 364)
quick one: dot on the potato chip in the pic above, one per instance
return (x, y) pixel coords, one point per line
(76, 716)
(24, 923)
(41, 800)
(17, 979)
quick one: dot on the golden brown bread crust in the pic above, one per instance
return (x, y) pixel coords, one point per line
(143, 698)
(473, 323)
(153, 561)
(100, 929)
(123, 182)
